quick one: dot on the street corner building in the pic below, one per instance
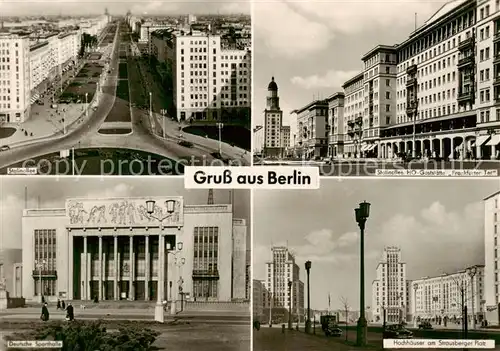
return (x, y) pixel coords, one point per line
(134, 249)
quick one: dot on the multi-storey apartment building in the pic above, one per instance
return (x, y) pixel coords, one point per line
(443, 298)
(285, 138)
(258, 298)
(335, 126)
(389, 296)
(209, 83)
(312, 132)
(353, 115)
(14, 78)
(437, 94)
(491, 253)
(281, 270)
(273, 122)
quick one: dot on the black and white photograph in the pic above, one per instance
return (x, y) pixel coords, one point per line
(124, 87)
(139, 263)
(358, 261)
(380, 85)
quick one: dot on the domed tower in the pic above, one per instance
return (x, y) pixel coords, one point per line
(273, 122)
(273, 100)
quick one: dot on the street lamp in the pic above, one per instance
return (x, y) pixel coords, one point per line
(178, 262)
(150, 104)
(472, 271)
(290, 305)
(150, 208)
(86, 105)
(362, 213)
(220, 126)
(308, 321)
(40, 265)
(415, 288)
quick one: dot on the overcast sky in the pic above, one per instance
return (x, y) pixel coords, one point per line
(313, 47)
(49, 192)
(438, 224)
(84, 7)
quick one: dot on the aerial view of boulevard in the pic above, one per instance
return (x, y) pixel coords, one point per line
(105, 94)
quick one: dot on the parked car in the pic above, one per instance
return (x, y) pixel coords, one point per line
(425, 325)
(185, 143)
(333, 330)
(5, 148)
(397, 332)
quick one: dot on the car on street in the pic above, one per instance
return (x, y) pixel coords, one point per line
(397, 331)
(425, 325)
(185, 143)
(5, 148)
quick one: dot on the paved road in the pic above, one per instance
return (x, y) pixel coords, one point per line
(86, 135)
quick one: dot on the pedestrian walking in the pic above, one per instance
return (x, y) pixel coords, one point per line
(63, 305)
(58, 307)
(70, 313)
(45, 313)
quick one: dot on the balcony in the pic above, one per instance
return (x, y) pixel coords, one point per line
(44, 273)
(465, 61)
(496, 37)
(411, 70)
(465, 44)
(465, 96)
(205, 274)
(496, 58)
(411, 82)
(496, 80)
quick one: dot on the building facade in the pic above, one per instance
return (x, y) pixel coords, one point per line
(285, 139)
(11, 271)
(273, 122)
(115, 249)
(312, 133)
(441, 299)
(281, 270)
(434, 95)
(491, 251)
(389, 295)
(335, 126)
(258, 298)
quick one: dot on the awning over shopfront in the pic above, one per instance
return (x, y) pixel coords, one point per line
(371, 147)
(481, 139)
(494, 141)
(365, 147)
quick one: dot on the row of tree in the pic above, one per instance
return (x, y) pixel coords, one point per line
(88, 42)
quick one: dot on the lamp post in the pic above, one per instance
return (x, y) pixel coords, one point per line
(151, 209)
(178, 262)
(362, 213)
(86, 105)
(290, 305)
(415, 288)
(472, 271)
(150, 104)
(270, 309)
(220, 126)
(308, 320)
(40, 265)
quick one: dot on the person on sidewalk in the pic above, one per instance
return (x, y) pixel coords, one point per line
(45, 313)
(70, 316)
(58, 307)
(63, 305)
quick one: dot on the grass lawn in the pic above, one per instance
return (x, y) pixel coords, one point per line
(122, 70)
(6, 132)
(234, 135)
(122, 90)
(137, 89)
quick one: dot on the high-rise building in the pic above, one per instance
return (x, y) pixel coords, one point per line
(285, 138)
(436, 94)
(441, 299)
(273, 122)
(335, 126)
(15, 79)
(389, 296)
(281, 270)
(491, 253)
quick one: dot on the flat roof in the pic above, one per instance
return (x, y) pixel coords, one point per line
(377, 49)
(353, 79)
(490, 196)
(338, 94)
(38, 45)
(322, 103)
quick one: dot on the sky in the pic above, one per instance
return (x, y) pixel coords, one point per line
(313, 47)
(438, 224)
(120, 7)
(52, 192)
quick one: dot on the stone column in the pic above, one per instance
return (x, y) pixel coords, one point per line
(131, 275)
(115, 267)
(100, 268)
(85, 270)
(441, 148)
(146, 276)
(493, 152)
(71, 267)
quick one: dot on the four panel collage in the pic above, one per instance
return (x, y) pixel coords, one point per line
(120, 122)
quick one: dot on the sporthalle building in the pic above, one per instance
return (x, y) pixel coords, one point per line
(134, 249)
